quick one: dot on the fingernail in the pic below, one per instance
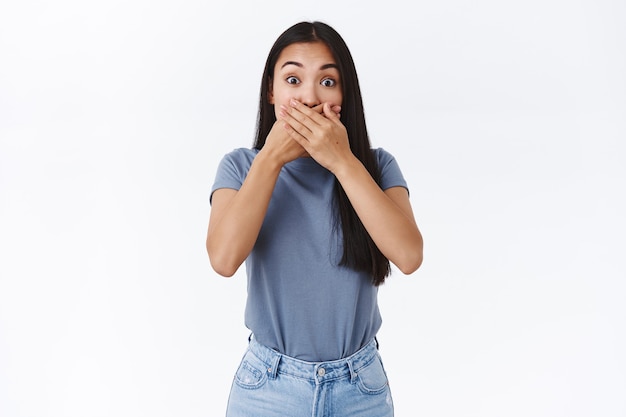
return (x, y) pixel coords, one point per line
(293, 102)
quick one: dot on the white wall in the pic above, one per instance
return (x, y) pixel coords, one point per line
(507, 118)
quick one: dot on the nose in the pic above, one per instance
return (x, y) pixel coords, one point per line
(308, 95)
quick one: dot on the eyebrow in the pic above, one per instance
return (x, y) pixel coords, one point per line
(298, 64)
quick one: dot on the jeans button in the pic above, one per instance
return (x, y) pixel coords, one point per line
(321, 372)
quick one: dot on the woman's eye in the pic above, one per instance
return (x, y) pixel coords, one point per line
(328, 82)
(292, 80)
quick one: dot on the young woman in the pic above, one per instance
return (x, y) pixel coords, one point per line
(317, 215)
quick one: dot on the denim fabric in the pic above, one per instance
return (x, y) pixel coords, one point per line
(269, 384)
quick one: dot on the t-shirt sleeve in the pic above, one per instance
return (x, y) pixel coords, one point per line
(232, 170)
(391, 175)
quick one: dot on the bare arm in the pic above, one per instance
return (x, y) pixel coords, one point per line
(387, 216)
(237, 216)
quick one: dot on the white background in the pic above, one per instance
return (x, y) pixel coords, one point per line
(507, 118)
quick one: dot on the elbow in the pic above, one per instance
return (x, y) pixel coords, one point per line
(408, 266)
(411, 260)
(221, 263)
(222, 270)
(222, 267)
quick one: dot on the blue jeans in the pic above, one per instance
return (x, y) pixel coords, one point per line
(269, 384)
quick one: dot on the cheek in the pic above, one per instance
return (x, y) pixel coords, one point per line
(280, 97)
(336, 99)
(278, 100)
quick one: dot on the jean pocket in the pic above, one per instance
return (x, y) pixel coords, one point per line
(252, 372)
(372, 378)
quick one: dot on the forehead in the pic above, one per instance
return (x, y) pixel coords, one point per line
(313, 54)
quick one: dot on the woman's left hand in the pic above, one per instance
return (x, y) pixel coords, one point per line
(323, 136)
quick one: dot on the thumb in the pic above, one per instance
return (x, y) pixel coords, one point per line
(331, 112)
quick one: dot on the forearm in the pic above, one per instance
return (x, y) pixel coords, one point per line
(234, 225)
(389, 223)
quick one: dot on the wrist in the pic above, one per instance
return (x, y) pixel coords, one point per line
(269, 160)
(347, 168)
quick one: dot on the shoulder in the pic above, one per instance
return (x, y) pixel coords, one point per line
(237, 160)
(382, 153)
(233, 168)
(383, 157)
(390, 173)
(235, 164)
(240, 156)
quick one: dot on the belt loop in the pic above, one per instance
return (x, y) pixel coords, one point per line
(353, 374)
(272, 371)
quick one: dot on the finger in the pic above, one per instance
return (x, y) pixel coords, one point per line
(330, 113)
(297, 136)
(320, 109)
(303, 112)
(297, 122)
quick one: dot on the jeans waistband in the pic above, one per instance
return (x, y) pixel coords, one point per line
(277, 363)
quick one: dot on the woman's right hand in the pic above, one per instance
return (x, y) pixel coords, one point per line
(281, 146)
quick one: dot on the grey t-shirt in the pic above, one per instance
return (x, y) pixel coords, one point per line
(300, 301)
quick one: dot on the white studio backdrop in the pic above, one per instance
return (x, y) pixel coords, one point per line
(507, 118)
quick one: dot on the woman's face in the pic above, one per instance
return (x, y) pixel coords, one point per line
(308, 73)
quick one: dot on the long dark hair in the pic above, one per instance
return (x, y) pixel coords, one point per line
(359, 250)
